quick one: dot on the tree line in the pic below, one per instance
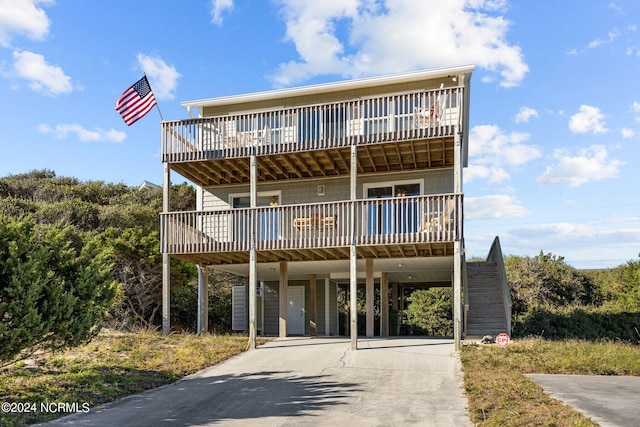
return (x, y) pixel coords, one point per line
(550, 299)
(77, 255)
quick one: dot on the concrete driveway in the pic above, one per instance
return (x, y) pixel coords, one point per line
(611, 401)
(306, 381)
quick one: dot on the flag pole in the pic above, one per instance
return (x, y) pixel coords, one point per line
(157, 106)
(159, 112)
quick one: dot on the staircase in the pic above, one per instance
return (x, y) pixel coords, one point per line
(486, 311)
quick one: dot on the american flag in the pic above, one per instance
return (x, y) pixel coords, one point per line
(136, 101)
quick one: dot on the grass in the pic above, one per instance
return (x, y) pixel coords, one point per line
(110, 367)
(500, 395)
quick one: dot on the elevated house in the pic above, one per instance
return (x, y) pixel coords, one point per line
(307, 190)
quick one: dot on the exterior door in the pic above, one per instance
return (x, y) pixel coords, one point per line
(401, 216)
(380, 215)
(267, 219)
(295, 312)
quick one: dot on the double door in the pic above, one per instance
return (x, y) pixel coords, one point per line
(399, 214)
(268, 223)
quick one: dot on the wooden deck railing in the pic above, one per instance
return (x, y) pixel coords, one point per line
(417, 115)
(401, 220)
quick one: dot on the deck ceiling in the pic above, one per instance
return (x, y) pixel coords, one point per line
(412, 250)
(415, 271)
(372, 158)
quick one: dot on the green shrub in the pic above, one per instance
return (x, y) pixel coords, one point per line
(430, 311)
(587, 323)
(54, 287)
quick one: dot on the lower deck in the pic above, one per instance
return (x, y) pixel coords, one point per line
(395, 227)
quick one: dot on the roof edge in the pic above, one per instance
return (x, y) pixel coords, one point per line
(328, 87)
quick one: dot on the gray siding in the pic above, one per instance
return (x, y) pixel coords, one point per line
(212, 203)
(335, 95)
(271, 309)
(306, 191)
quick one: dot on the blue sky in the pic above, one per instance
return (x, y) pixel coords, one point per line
(555, 109)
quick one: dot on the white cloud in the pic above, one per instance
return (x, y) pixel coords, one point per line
(525, 114)
(615, 239)
(217, 8)
(635, 107)
(590, 164)
(43, 77)
(23, 17)
(473, 172)
(556, 230)
(163, 78)
(612, 237)
(615, 7)
(632, 51)
(611, 37)
(495, 175)
(493, 207)
(588, 120)
(627, 133)
(61, 131)
(492, 150)
(363, 37)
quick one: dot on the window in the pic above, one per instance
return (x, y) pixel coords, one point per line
(392, 217)
(268, 219)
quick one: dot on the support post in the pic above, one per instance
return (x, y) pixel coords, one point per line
(327, 311)
(253, 261)
(353, 269)
(313, 310)
(457, 296)
(166, 261)
(458, 245)
(246, 305)
(203, 299)
(369, 298)
(284, 299)
(384, 304)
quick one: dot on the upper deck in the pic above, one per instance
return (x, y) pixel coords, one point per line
(397, 127)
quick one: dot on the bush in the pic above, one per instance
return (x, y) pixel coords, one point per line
(430, 311)
(546, 280)
(579, 323)
(184, 303)
(54, 287)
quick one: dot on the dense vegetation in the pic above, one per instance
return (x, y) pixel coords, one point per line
(430, 312)
(55, 284)
(74, 253)
(551, 299)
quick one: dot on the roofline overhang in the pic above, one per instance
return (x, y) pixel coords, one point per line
(330, 87)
